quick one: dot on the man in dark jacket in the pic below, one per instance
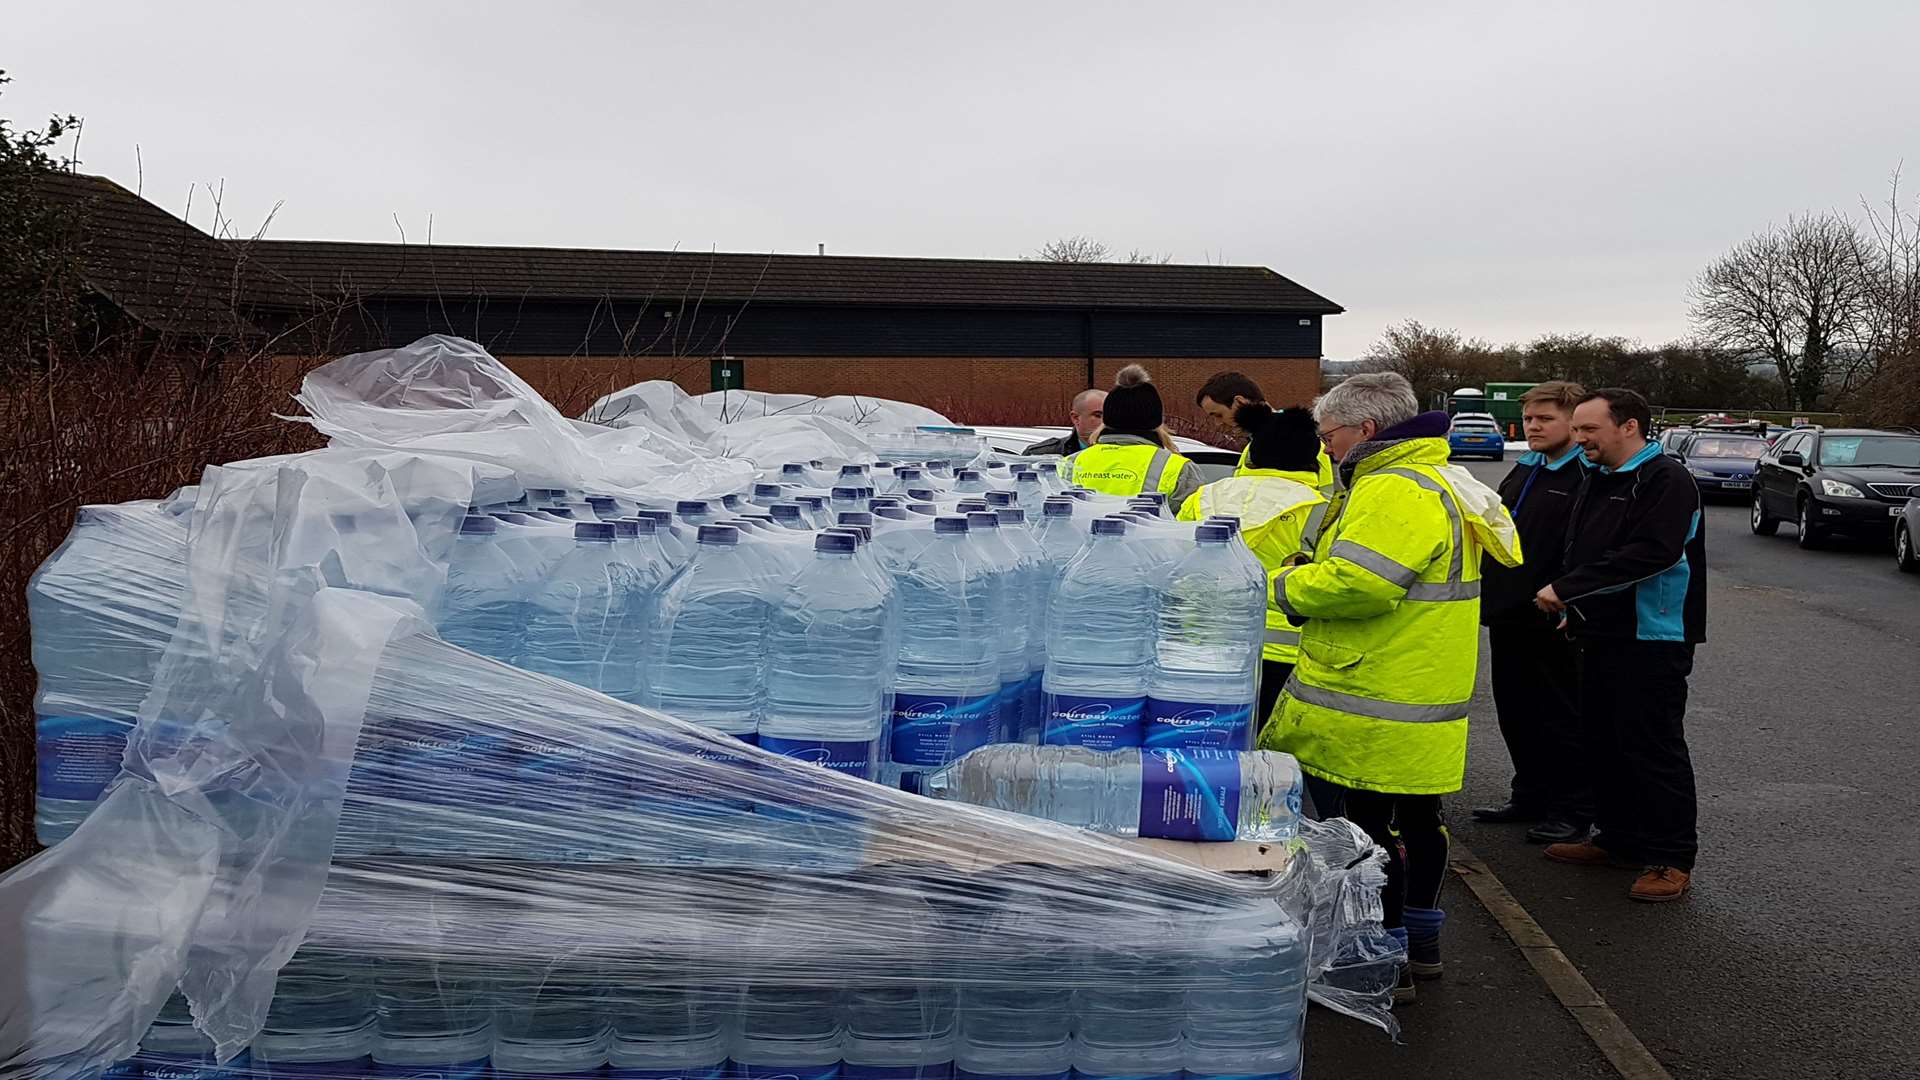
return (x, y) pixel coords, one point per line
(1633, 594)
(1532, 660)
(1088, 412)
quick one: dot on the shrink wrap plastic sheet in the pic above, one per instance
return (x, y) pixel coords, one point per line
(335, 834)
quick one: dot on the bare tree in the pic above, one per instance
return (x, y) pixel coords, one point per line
(1073, 249)
(1434, 360)
(1796, 296)
(1889, 340)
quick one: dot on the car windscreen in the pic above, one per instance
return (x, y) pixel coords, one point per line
(1472, 427)
(1744, 449)
(1861, 451)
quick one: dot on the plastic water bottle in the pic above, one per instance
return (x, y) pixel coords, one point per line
(1020, 1024)
(788, 1031)
(832, 643)
(102, 609)
(320, 1022)
(173, 1049)
(695, 512)
(948, 679)
(1200, 794)
(790, 515)
(846, 500)
(1059, 536)
(674, 540)
(1129, 1009)
(969, 481)
(709, 638)
(1010, 622)
(1245, 1011)
(433, 1020)
(1035, 578)
(482, 609)
(1100, 644)
(1029, 491)
(550, 1019)
(577, 617)
(667, 1033)
(902, 1028)
(1206, 649)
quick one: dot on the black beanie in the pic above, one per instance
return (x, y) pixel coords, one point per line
(1133, 405)
(1288, 440)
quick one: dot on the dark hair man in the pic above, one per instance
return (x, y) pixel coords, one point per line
(1534, 685)
(1633, 595)
(1223, 395)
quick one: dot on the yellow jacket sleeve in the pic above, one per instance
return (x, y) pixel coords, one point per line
(1388, 535)
(1189, 510)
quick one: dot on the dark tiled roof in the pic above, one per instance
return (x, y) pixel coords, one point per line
(332, 268)
(155, 267)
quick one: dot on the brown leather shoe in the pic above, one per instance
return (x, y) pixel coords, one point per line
(1660, 884)
(1586, 853)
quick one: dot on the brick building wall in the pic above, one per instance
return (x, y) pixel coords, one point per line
(969, 389)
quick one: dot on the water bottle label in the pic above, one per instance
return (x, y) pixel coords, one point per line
(941, 1071)
(962, 1074)
(550, 774)
(852, 758)
(148, 1065)
(1081, 1074)
(462, 1070)
(933, 729)
(744, 1071)
(716, 1071)
(1097, 723)
(78, 755)
(310, 1070)
(1290, 1074)
(1176, 725)
(1189, 794)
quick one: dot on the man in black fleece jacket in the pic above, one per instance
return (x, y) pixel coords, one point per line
(1633, 595)
(1532, 660)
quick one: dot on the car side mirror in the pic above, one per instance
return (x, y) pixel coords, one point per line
(1793, 459)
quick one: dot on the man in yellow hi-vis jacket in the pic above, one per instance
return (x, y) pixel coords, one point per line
(1128, 456)
(1275, 496)
(1376, 711)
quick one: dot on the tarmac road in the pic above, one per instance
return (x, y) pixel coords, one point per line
(1796, 954)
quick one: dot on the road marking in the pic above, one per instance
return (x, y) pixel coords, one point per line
(1628, 1055)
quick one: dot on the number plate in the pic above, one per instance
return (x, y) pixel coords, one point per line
(1736, 485)
(1895, 511)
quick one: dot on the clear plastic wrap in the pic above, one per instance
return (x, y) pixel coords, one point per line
(354, 848)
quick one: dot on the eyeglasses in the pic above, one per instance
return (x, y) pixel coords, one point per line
(1327, 435)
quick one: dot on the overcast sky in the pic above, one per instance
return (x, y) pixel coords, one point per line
(1507, 169)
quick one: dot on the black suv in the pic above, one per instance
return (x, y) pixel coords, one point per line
(1846, 480)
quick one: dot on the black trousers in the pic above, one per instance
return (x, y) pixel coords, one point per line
(1535, 688)
(1633, 707)
(1409, 828)
(1273, 679)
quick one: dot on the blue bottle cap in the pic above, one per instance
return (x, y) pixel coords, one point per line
(785, 511)
(1026, 476)
(658, 517)
(1011, 515)
(949, 525)
(845, 493)
(997, 499)
(1107, 526)
(891, 513)
(1057, 507)
(865, 492)
(592, 530)
(731, 502)
(853, 517)
(475, 525)
(794, 468)
(512, 517)
(811, 502)
(560, 512)
(862, 533)
(910, 473)
(768, 491)
(602, 502)
(642, 526)
(982, 519)
(724, 535)
(1158, 498)
(922, 494)
(972, 506)
(968, 474)
(924, 509)
(884, 500)
(628, 530)
(1212, 534)
(839, 543)
(853, 470)
(692, 506)
(1049, 466)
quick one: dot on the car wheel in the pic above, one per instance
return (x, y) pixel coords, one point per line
(1811, 535)
(1904, 556)
(1761, 522)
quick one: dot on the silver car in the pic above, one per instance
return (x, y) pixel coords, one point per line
(1905, 531)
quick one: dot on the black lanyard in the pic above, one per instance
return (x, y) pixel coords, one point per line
(1528, 486)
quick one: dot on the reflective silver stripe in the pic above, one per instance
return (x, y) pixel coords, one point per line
(1368, 559)
(1374, 707)
(1282, 637)
(1317, 517)
(1154, 468)
(1436, 591)
(1453, 515)
(1280, 594)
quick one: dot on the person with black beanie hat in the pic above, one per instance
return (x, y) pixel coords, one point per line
(1276, 498)
(1130, 454)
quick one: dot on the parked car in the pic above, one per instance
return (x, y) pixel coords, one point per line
(1842, 480)
(1906, 528)
(1721, 464)
(1476, 433)
(1671, 438)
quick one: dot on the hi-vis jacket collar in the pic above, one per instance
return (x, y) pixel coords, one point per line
(1646, 454)
(1535, 457)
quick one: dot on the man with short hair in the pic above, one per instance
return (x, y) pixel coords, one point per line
(1633, 595)
(1534, 684)
(1223, 395)
(1086, 413)
(1376, 710)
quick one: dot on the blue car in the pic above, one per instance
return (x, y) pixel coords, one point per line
(1476, 435)
(1722, 464)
